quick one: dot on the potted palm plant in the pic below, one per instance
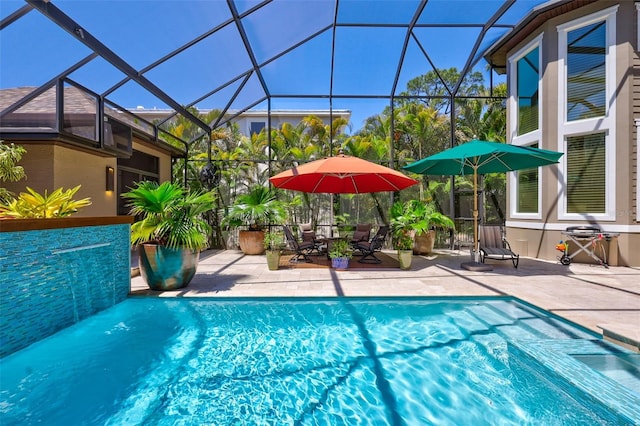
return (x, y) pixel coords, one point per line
(425, 229)
(170, 233)
(273, 242)
(404, 224)
(255, 209)
(340, 253)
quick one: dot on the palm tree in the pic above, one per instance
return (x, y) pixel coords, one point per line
(10, 155)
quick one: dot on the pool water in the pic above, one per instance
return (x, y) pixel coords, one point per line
(623, 368)
(292, 362)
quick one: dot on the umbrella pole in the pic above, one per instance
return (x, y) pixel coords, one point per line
(475, 265)
(476, 252)
(331, 217)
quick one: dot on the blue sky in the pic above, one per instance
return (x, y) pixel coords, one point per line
(33, 49)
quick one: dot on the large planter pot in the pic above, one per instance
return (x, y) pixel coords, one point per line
(340, 263)
(273, 259)
(165, 268)
(404, 258)
(423, 243)
(251, 242)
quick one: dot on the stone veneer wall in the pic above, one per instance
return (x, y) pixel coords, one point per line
(53, 278)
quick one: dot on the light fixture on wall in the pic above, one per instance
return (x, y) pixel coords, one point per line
(110, 178)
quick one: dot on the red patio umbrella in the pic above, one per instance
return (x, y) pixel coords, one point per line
(342, 174)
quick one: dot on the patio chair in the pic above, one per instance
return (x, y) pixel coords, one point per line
(362, 233)
(369, 248)
(493, 245)
(302, 249)
(308, 234)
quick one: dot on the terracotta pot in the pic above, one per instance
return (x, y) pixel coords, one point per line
(404, 258)
(164, 268)
(251, 242)
(423, 243)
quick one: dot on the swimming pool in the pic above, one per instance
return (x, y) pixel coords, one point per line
(284, 362)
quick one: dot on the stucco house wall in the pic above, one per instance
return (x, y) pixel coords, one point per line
(51, 165)
(538, 237)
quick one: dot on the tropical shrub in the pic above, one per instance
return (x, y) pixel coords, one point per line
(32, 205)
(170, 216)
(10, 155)
(340, 249)
(405, 222)
(256, 209)
(273, 240)
(429, 217)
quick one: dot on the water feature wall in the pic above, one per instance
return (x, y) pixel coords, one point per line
(55, 272)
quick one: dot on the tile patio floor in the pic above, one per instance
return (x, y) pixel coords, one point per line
(603, 300)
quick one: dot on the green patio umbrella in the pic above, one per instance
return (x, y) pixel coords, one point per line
(480, 157)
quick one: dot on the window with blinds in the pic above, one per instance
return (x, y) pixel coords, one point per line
(586, 173)
(527, 190)
(528, 75)
(586, 76)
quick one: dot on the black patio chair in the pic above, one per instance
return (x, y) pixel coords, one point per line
(362, 233)
(493, 245)
(309, 235)
(302, 248)
(369, 248)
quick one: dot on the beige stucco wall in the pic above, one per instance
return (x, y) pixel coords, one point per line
(72, 167)
(49, 166)
(540, 240)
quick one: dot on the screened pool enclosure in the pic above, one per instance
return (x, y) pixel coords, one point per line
(391, 81)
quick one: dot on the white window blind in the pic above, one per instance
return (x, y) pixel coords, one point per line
(586, 72)
(586, 173)
(528, 189)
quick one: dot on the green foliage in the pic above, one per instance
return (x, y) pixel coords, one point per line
(439, 85)
(339, 249)
(256, 209)
(421, 127)
(404, 223)
(10, 155)
(169, 215)
(273, 240)
(33, 205)
(433, 218)
(415, 217)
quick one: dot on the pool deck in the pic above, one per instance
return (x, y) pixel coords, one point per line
(603, 300)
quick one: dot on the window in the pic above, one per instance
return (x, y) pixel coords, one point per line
(638, 26)
(586, 117)
(585, 178)
(528, 78)
(525, 127)
(586, 72)
(527, 189)
(140, 166)
(256, 127)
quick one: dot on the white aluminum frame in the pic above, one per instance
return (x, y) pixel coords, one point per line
(530, 138)
(590, 125)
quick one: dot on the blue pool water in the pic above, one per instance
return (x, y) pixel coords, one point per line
(294, 362)
(623, 368)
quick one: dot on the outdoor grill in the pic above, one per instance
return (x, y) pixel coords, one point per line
(589, 240)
